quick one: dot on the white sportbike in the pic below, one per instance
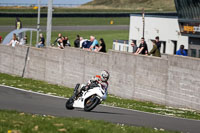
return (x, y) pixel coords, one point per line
(86, 99)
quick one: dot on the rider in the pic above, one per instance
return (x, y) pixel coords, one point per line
(101, 79)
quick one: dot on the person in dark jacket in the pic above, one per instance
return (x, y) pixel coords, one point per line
(158, 43)
(102, 46)
(181, 51)
(155, 51)
(77, 42)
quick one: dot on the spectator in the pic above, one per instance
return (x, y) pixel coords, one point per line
(81, 41)
(155, 51)
(77, 42)
(134, 46)
(94, 43)
(181, 51)
(41, 44)
(158, 43)
(102, 47)
(66, 41)
(23, 41)
(18, 24)
(58, 40)
(143, 49)
(86, 44)
(14, 41)
(1, 39)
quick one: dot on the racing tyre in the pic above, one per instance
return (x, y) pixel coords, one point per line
(91, 103)
(69, 103)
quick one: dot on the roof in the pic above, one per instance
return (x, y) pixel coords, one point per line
(159, 15)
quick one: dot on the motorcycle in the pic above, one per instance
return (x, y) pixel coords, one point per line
(86, 99)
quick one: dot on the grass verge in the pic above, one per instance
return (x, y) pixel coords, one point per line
(67, 21)
(44, 87)
(107, 35)
(15, 122)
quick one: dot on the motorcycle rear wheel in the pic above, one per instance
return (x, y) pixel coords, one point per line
(91, 103)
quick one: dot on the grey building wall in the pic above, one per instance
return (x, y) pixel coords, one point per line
(172, 81)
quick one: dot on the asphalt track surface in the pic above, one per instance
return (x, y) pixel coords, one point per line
(30, 102)
(75, 28)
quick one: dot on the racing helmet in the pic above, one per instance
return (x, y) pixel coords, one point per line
(104, 76)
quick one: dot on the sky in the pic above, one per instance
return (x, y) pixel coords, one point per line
(45, 1)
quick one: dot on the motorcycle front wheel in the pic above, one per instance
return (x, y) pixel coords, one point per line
(69, 103)
(91, 103)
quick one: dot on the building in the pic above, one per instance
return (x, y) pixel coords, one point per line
(189, 21)
(164, 25)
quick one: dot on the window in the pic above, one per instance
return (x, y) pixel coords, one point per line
(199, 53)
(193, 52)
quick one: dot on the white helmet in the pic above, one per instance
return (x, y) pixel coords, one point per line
(105, 76)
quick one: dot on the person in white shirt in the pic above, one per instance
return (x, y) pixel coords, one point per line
(14, 41)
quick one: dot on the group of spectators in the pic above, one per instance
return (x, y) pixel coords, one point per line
(155, 51)
(62, 41)
(91, 45)
(16, 41)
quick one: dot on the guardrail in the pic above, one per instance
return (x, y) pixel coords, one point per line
(121, 45)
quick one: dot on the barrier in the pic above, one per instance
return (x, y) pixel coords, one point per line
(173, 81)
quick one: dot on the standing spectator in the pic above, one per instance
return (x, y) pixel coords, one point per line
(18, 24)
(158, 43)
(77, 42)
(14, 41)
(143, 49)
(181, 51)
(155, 51)
(94, 43)
(41, 43)
(134, 46)
(1, 39)
(102, 47)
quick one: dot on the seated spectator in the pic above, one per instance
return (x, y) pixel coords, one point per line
(143, 49)
(102, 47)
(94, 43)
(23, 41)
(81, 41)
(41, 43)
(181, 51)
(155, 51)
(58, 40)
(14, 41)
(77, 42)
(86, 44)
(66, 41)
(134, 47)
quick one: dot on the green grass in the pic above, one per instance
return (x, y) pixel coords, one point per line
(44, 87)
(108, 36)
(67, 21)
(15, 122)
